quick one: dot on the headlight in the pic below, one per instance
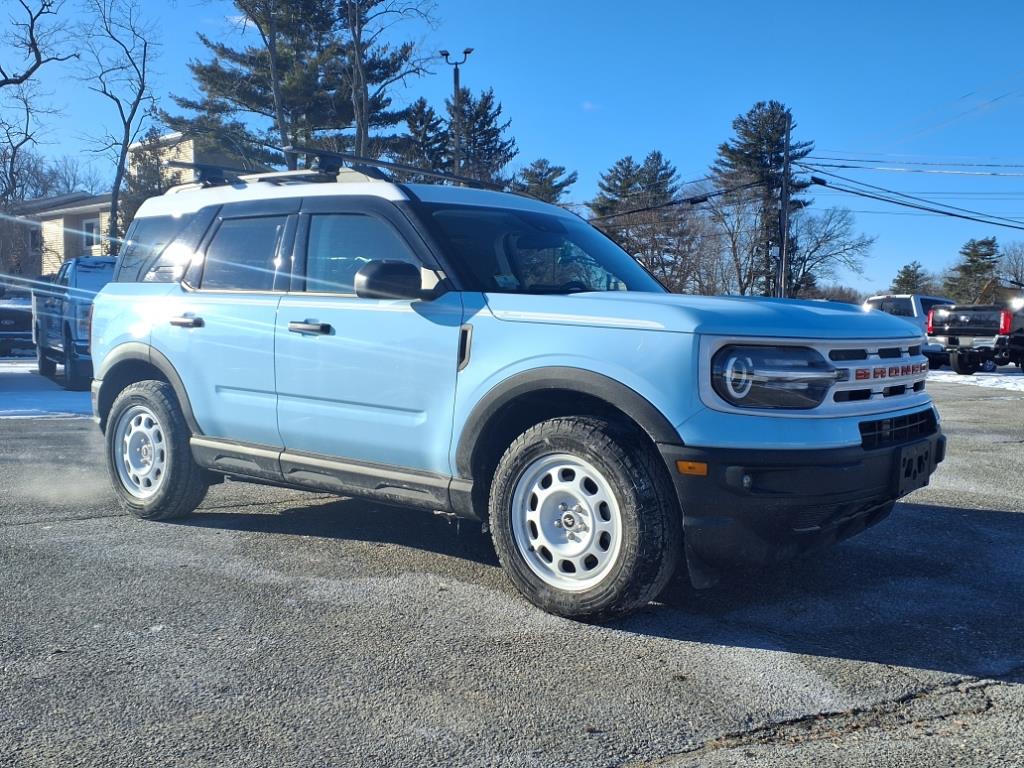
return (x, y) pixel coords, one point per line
(771, 377)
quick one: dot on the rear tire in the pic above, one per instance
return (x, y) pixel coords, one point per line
(963, 365)
(584, 519)
(46, 366)
(148, 454)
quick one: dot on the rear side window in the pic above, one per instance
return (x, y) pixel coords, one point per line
(243, 256)
(145, 240)
(340, 244)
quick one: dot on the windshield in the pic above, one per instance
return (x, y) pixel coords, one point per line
(508, 251)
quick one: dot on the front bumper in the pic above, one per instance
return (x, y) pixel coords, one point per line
(763, 507)
(16, 339)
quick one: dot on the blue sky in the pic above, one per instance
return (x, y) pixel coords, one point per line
(585, 83)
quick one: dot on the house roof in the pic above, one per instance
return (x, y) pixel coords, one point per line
(63, 205)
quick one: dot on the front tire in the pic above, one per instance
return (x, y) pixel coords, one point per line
(46, 366)
(148, 454)
(75, 378)
(584, 519)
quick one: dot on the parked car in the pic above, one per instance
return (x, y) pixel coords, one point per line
(980, 336)
(15, 315)
(60, 318)
(490, 356)
(914, 308)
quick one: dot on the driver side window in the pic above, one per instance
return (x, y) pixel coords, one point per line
(340, 244)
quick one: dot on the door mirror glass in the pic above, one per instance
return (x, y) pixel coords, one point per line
(387, 279)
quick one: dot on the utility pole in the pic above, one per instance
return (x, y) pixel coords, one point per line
(457, 101)
(784, 211)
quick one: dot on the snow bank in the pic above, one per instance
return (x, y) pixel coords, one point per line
(1011, 379)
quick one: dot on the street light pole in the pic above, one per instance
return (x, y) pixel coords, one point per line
(457, 101)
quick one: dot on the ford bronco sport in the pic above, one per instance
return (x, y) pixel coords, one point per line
(493, 357)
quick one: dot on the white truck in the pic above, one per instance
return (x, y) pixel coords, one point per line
(61, 315)
(914, 308)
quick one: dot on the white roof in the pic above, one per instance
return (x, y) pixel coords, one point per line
(188, 199)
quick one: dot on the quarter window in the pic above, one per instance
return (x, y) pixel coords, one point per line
(244, 256)
(340, 245)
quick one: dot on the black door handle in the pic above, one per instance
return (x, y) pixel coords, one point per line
(187, 321)
(301, 326)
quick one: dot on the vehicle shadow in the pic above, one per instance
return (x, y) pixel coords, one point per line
(360, 520)
(932, 587)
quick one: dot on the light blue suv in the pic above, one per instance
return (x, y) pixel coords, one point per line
(493, 357)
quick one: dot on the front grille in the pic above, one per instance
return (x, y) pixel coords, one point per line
(898, 430)
(15, 321)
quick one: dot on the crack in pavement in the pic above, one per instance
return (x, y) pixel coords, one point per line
(890, 713)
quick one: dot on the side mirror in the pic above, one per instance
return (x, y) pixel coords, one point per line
(389, 279)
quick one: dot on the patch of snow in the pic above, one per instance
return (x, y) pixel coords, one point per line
(1010, 379)
(24, 394)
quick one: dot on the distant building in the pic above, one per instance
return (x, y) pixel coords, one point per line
(76, 224)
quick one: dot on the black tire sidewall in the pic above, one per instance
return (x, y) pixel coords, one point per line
(173, 498)
(635, 490)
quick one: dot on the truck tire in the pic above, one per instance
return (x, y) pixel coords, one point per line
(46, 366)
(75, 378)
(584, 519)
(962, 364)
(148, 454)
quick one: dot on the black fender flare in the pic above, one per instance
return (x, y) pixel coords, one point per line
(138, 352)
(615, 393)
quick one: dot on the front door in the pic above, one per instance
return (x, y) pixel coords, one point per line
(364, 380)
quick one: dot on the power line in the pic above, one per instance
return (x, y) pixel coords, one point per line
(945, 172)
(695, 200)
(907, 197)
(906, 204)
(917, 162)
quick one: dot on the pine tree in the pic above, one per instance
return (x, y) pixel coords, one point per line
(544, 181)
(372, 66)
(912, 278)
(425, 144)
(630, 207)
(978, 266)
(484, 148)
(756, 156)
(289, 89)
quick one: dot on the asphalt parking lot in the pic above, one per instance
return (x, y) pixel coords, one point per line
(279, 628)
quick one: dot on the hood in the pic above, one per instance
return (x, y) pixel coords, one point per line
(711, 315)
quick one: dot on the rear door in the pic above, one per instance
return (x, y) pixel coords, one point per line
(378, 384)
(217, 327)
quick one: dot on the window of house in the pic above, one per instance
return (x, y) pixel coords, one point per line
(340, 245)
(90, 233)
(243, 256)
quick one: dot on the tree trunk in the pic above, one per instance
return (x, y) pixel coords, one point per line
(275, 85)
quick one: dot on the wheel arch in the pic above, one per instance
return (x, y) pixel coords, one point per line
(132, 362)
(528, 398)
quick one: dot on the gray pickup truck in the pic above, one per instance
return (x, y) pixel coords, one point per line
(61, 316)
(980, 336)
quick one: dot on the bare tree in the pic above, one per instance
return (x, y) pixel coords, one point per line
(370, 60)
(70, 174)
(119, 53)
(35, 38)
(734, 221)
(1011, 264)
(824, 243)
